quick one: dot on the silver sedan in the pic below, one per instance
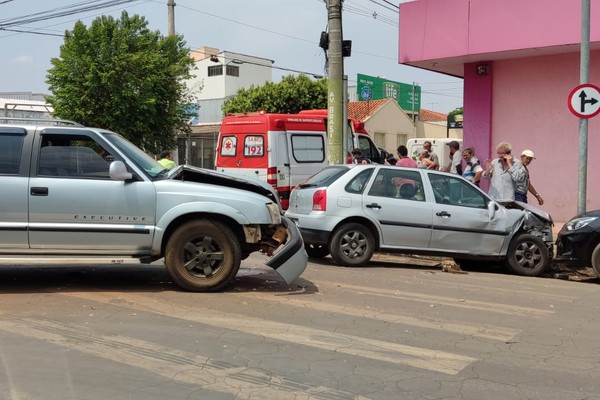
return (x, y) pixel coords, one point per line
(351, 211)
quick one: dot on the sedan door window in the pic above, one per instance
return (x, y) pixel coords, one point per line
(456, 191)
(398, 183)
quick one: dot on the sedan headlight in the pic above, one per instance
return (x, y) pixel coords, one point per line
(274, 212)
(579, 223)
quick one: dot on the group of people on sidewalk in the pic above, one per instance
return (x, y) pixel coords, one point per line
(509, 178)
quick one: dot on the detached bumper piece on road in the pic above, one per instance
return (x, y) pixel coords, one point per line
(291, 259)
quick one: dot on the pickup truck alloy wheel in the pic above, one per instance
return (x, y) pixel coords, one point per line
(352, 245)
(203, 256)
(527, 255)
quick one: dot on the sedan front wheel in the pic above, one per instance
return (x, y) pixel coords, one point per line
(527, 255)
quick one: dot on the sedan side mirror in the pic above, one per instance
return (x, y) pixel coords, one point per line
(491, 206)
(118, 171)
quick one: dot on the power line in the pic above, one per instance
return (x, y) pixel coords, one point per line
(35, 31)
(85, 6)
(31, 32)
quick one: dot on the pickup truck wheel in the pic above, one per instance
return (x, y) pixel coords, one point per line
(527, 255)
(316, 250)
(203, 256)
(352, 245)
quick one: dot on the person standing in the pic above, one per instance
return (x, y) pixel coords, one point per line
(435, 161)
(455, 166)
(357, 157)
(166, 159)
(403, 159)
(424, 159)
(473, 170)
(523, 185)
(504, 172)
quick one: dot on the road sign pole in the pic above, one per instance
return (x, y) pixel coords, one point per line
(584, 73)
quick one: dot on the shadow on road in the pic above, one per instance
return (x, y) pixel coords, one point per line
(426, 263)
(132, 278)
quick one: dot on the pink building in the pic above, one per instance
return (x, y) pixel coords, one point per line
(519, 60)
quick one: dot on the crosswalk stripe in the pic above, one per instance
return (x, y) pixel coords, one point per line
(483, 331)
(433, 360)
(446, 301)
(173, 364)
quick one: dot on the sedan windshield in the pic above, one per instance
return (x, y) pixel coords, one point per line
(136, 155)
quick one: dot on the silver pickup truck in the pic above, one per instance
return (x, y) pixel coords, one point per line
(78, 195)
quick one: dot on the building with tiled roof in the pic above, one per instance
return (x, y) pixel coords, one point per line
(433, 124)
(387, 123)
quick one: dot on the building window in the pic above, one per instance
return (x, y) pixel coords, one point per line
(380, 139)
(401, 139)
(215, 70)
(232, 70)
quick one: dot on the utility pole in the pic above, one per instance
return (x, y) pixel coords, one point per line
(584, 77)
(335, 84)
(171, 16)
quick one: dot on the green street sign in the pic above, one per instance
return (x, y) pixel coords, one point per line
(373, 88)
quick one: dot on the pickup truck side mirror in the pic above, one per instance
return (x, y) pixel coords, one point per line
(118, 171)
(491, 206)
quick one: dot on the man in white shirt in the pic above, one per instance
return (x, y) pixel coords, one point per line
(455, 166)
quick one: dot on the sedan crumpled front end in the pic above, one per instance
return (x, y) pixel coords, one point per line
(535, 221)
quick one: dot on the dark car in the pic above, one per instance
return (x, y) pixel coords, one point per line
(578, 242)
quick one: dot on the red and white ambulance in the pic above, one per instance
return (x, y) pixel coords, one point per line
(282, 149)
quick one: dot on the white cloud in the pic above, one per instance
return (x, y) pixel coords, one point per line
(22, 60)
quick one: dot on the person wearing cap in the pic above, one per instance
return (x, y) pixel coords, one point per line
(455, 166)
(504, 172)
(523, 185)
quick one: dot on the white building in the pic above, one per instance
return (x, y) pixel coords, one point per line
(218, 75)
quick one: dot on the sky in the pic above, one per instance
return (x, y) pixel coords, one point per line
(285, 31)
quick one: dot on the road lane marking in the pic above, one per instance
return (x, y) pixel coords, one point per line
(433, 360)
(446, 301)
(170, 363)
(482, 331)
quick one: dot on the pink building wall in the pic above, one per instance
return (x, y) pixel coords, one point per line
(438, 29)
(532, 48)
(530, 111)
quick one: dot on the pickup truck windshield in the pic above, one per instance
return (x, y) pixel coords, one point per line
(135, 154)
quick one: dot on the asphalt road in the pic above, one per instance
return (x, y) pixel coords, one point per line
(397, 329)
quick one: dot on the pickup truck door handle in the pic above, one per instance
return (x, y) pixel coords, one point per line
(373, 205)
(39, 191)
(443, 214)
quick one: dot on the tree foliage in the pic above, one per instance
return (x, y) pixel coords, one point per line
(292, 94)
(119, 75)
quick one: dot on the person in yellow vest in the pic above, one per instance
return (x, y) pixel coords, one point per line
(166, 159)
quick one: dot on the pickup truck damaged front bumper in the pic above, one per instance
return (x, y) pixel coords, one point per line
(290, 259)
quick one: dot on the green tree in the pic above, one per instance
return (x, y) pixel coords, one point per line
(119, 75)
(292, 94)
